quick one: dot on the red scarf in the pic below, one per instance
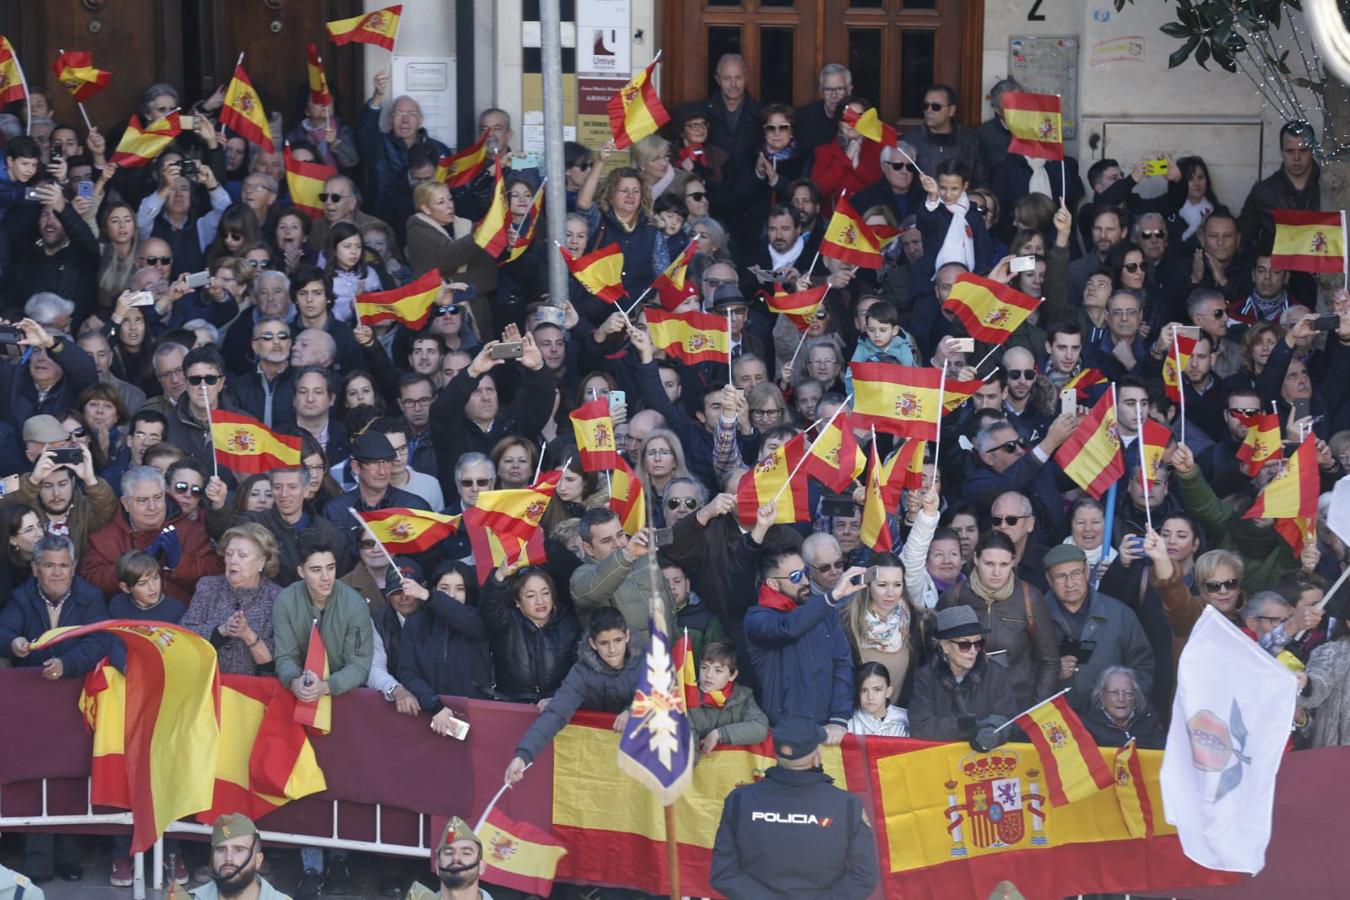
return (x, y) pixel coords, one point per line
(775, 599)
(690, 151)
(717, 699)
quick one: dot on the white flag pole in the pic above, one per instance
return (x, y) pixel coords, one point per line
(942, 388)
(1143, 463)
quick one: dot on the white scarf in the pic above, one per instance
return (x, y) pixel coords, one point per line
(958, 245)
(1194, 215)
(663, 182)
(781, 261)
(1040, 179)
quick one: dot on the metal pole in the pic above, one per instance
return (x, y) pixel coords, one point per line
(555, 196)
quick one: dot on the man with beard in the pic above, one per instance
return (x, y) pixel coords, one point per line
(458, 862)
(70, 500)
(236, 855)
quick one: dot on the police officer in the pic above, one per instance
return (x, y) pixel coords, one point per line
(236, 857)
(16, 886)
(458, 862)
(794, 834)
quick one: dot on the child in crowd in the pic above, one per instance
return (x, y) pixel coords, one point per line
(726, 714)
(883, 340)
(142, 597)
(874, 715)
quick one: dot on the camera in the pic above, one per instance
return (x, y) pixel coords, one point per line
(188, 169)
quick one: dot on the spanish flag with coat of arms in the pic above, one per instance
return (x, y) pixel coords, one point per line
(636, 110)
(990, 311)
(765, 482)
(404, 530)
(849, 239)
(379, 28)
(1307, 241)
(896, 399)
(594, 430)
(243, 111)
(1092, 455)
(248, 447)
(1036, 124)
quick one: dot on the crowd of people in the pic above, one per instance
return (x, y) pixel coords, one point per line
(140, 300)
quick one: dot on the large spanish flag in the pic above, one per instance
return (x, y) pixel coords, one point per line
(1036, 124)
(77, 74)
(835, 458)
(171, 727)
(849, 239)
(636, 110)
(519, 855)
(692, 337)
(594, 430)
(243, 111)
(493, 231)
(305, 180)
(1092, 454)
(248, 447)
(404, 530)
(1308, 241)
(1174, 369)
(766, 480)
(870, 126)
(410, 304)
(1262, 443)
(799, 306)
(316, 715)
(463, 167)
(11, 75)
(899, 400)
(1293, 493)
(600, 272)
(379, 28)
(627, 497)
(673, 286)
(319, 94)
(875, 533)
(990, 311)
(1074, 767)
(139, 146)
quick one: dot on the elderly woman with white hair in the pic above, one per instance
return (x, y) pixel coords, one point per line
(1121, 713)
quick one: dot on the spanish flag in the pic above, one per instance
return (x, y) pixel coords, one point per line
(516, 512)
(594, 430)
(1036, 124)
(1132, 791)
(692, 337)
(1309, 241)
(870, 126)
(305, 180)
(957, 391)
(899, 400)
(1073, 765)
(493, 231)
(686, 667)
(463, 167)
(1172, 375)
(1156, 436)
(491, 550)
(1296, 533)
(404, 530)
(1261, 444)
(518, 855)
(319, 94)
(243, 111)
(875, 533)
(799, 306)
(410, 304)
(523, 235)
(835, 458)
(1088, 378)
(11, 75)
(171, 733)
(600, 272)
(849, 239)
(626, 497)
(1293, 493)
(762, 484)
(316, 715)
(990, 311)
(1092, 454)
(673, 286)
(904, 470)
(75, 70)
(248, 447)
(139, 146)
(636, 111)
(379, 28)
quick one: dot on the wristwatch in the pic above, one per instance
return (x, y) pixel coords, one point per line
(389, 692)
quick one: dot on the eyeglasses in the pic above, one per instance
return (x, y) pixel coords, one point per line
(1010, 521)
(1123, 695)
(795, 577)
(260, 263)
(448, 311)
(1010, 446)
(159, 260)
(774, 129)
(836, 566)
(935, 107)
(967, 646)
(1022, 374)
(1132, 267)
(479, 483)
(1153, 234)
(1227, 584)
(1124, 313)
(414, 401)
(1066, 577)
(183, 487)
(658, 452)
(900, 166)
(1274, 621)
(332, 198)
(583, 166)
(696, 196)
(405, 114)
(766, 413)
(273, 336)
(198, 380)
(1243, 410)
(675, 503)
(1216, 314)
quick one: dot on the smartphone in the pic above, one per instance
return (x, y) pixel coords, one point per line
(142, 298)
(1022, 264)
(9, 485)
(616, 399)
(1302, 408)
(187, 122)
(459, 729)
(1068, 400)
(964, 345)
(1155, 166)
(663, 537)
(66, 456)
(31, 195)
(507, 350)
(871, 574)
(1327, 323)
(198, 279)
(84, 189)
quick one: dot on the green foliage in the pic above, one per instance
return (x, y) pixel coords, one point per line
(1221, 30)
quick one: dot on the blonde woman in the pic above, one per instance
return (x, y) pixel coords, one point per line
(619, 211)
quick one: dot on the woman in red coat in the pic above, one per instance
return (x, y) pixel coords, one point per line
(848, 163)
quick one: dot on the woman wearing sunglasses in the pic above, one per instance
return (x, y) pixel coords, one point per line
(1218, 580)
(959, 688)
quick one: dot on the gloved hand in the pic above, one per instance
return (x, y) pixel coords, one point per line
(987, 733)
(167, 548)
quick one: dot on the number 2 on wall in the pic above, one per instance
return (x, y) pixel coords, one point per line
(1035, 15)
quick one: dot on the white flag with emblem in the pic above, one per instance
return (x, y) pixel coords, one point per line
(1230, 723)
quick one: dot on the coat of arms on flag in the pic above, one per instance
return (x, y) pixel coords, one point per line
(240, 441)
(997, 807)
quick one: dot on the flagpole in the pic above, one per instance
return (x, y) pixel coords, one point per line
(991, 352)
(365, 526)
(482, 820)
(912, 161)
(731, 378)
(1181, 376)
(1143, 463)
(798, 350)
(1345, 251)
(942, 388)
(1032, 708)
(793, 474)
(210, 430)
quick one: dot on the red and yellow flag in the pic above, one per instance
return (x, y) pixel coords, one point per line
(626, 497)
(493, 231)
(763, 482)
(523, 235)
(899, 400)
(875, 533)
(1293, 493)
(686, 668)
(799, 306)
(870, 126)
(171, 733)
(673, 286)
(957, 391)
(835, 458)
(1308, 241)
(1155, 436)
(316, 715)
(1036, 124)
(636, 111)
(515, 512)
(990, 311)
(1296, 533)
(594, 429)
(248, 447)
(379, 28)
(691, 337)
(139, 146)
(1092, 455)
(1073, 765)
(410, 304)
(491, 550)
(849, 239)
(600, 272)
(404, 530)
(904, 470)
(1172, 375)
(11, 74)
(243, 111)
(305, 180)
(519, 855)
(463, 167)
(1132, 792)
(75, 70)
(319, 94)
(1088, 378)
(1262, 443)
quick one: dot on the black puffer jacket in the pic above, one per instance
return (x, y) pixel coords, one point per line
(444, 650)
(941, 709)
(531, 662)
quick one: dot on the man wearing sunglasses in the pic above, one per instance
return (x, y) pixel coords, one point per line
(899, 188)
(824, 561)
(268, 393)
(1001, 462)
(941, 137)
(204, 369)
(1208, 308)
(1219, 463)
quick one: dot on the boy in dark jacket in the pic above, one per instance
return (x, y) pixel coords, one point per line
(726, 714)
(142, 599)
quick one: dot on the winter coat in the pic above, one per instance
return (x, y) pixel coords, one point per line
(1119, 641)
(25, 616)
(943, 709)
(530, 662)
(1145, 728)
(384, 153)
(623, 583)
(1264, 551)
(19, 395)
(591, 684)
(444, 650)
(1022, 626)
(1328, 694)
(344, 625)
(98, 564)
(739, 721)
(802, 659)
(92, 507)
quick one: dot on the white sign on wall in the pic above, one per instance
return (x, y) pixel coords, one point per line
(603, 41)
(430, 80)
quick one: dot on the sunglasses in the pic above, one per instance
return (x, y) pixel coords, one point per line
(774, 129)
(366, 544)
(198, 380)
(260, 263)
(583, 166)
(332, 198)
(77, 432)
(696, 196)
(183, 487)
(901, 166)
(1153, 234)
(675, 503)
(836, 566)
(935, 107)
(1226, 585)
(273, 336)
(1022, 374)
(479, 483)
(1010, 521)
(448, 311)
(1132, 267)
(1218, 314)
(1010, 446)
(972, 644)
(1243, 410)
(159, 260)
(795, 577)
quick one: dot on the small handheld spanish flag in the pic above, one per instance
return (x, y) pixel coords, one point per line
(766, 481)
(243, 111)
(1308, 241)
(410, 304)
(463, 167)
(673, 286)
(800, 306)
(1174, 369)
(379, 28)
(12, 86)
(1073, 765)
(594, 430)
(835, 458)
(75, 70)
(849, 239)
(896, 399)
(305, 180)
(990, 311)
(1036, 124)
(875, 532)
(636, 110)
(316, 715)
(686, 667)
(1092, 455)
(600, 272)
(626, 497)
(530, 856)
(248, 447)
(1293, 493)
(522, 236)
(493, 231)
(691, 337)
(140, 145)
(903, 471)
(319, 94)
(870, 126)
(1261, 444)
(403, 530)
